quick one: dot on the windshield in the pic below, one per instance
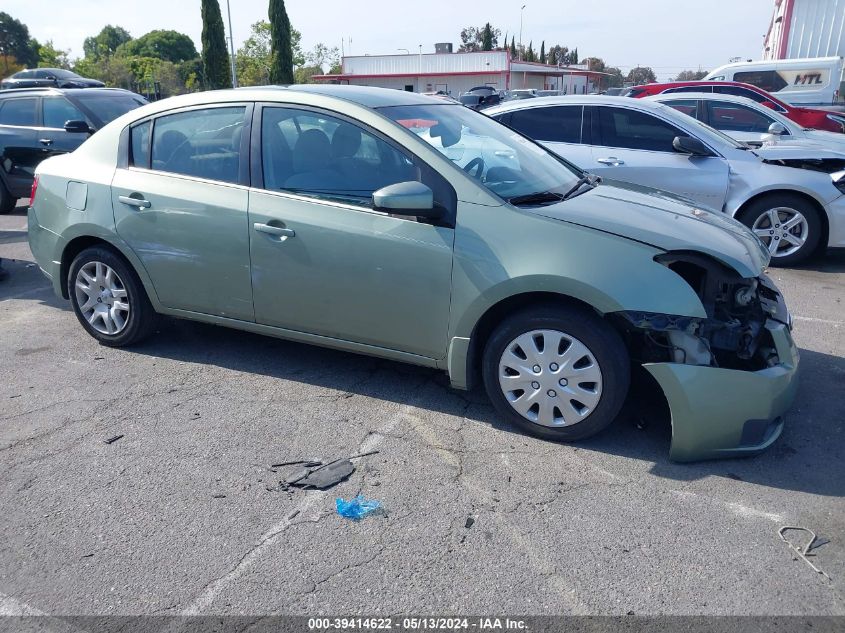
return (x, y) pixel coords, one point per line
(505, 162)
(107, 107)
(62, 74)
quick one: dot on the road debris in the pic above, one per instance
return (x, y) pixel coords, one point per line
(314, 474)
(469, 522)
(805, 551)
(357, 508)
(218, 496)
(113, 439)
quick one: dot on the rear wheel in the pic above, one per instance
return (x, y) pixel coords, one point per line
(558, 372)
(787, 224)
(109, 299)
(7, 202)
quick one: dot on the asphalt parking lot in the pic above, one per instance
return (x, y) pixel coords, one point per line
(183, 515)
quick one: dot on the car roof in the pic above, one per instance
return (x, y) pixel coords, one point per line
(539, 102)
(16, 92)
(367, 96)
(707, 96)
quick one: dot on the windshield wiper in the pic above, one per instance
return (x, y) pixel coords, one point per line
(587, 179)
(540, 197)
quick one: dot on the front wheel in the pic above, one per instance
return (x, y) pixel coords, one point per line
(560, 373)
(108, 298)
(788, 225)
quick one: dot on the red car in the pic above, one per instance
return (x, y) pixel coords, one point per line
(807, 117)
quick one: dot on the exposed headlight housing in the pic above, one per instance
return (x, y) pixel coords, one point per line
(839, 119)
(839, 180)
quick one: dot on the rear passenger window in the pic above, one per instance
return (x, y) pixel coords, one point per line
(202, 143)
(140, 145)
(631, 129)
(19, 112)
(687, 106)
(559, 124)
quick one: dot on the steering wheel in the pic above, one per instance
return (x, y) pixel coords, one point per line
(476, 163)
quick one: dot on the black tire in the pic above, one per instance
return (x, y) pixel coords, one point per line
(142, 317)
(602, 341)
(7, 201)
(757, 209)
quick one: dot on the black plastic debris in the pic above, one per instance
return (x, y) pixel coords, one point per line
(112, 440)
(469, 522)
(316, 475)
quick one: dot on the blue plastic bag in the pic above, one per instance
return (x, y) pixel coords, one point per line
(357, 508)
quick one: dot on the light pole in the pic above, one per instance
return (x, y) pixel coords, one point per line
(407, 52)
(232, 47)
(521, 11)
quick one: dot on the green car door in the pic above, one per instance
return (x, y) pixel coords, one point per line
(324, 261)
(180, 205)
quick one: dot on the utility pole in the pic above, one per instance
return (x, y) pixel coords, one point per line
(232, 47)
(521, 11)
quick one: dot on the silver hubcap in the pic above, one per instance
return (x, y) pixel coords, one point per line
(550, 378)
(782, 230)
(102, 298)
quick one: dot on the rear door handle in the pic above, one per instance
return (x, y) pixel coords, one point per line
(274, 230)
(45, 141)
(135, 202)
(610, 161)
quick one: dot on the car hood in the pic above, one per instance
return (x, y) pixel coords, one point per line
(663, 221)
(782, 151)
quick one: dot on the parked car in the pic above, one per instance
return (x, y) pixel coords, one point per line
(792, 197)
(317, 214)
(548, 93)
(48, 77)
(42, 122)
(808, 117)
(614, 92)
(749, 122)
(489, 95)
(527, 93)
(809, 81)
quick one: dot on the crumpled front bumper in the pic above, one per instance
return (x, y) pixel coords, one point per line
(720, 413)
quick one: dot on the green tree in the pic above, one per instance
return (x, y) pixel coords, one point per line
(215, 59)
(16, 47)
(487, 38)
(543, 52)
(690, 75)
(551, 59)
(281, 49)
(105, 43)
(170, 46)
(641, 75)
(529, 54)
(616, 78)
(51, 57)
(321, 56)
(513, 48)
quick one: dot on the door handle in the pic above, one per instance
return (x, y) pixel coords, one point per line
(135, 202)
(610, 161)
(45, 141)
(274, 230)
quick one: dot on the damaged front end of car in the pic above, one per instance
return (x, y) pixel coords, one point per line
(728, 378)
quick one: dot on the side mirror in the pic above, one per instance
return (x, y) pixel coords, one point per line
(777, 129)
(406, 198)
(690, 145)
(77, 127)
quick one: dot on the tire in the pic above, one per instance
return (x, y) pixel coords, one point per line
(769, 216)
(101, 311)
(7, 201)
(564, 412)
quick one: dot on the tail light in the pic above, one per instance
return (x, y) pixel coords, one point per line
(33, 190)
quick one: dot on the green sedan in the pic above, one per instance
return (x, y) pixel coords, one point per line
(397, 225)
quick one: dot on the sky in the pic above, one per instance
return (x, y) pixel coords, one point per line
(668, 35)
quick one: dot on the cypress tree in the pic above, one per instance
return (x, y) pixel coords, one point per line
(543, 52)
(215, 59)
(487, 38)
(513, 47)
(281, 65)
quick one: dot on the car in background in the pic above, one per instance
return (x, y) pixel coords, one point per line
(791, 197)
(537, 279)
(522, 93)
(814, 118)
(747, 121)
(442, 95)
(614, 92)
(48, 77)
(548, 93)
(489, 96)
(38, 123)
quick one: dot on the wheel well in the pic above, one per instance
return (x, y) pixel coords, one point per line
(74, 248)
(822, 215)
(496, 313)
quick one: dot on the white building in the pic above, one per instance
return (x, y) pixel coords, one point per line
(806, 28)
(456, 73)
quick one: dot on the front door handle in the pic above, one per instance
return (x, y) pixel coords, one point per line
(612, 160)
(135, 202)
(274, 230)
(46, 141)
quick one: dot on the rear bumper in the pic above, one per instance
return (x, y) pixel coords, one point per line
(45, 246)
(720, 413)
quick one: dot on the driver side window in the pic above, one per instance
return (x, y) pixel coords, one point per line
(318, 155)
